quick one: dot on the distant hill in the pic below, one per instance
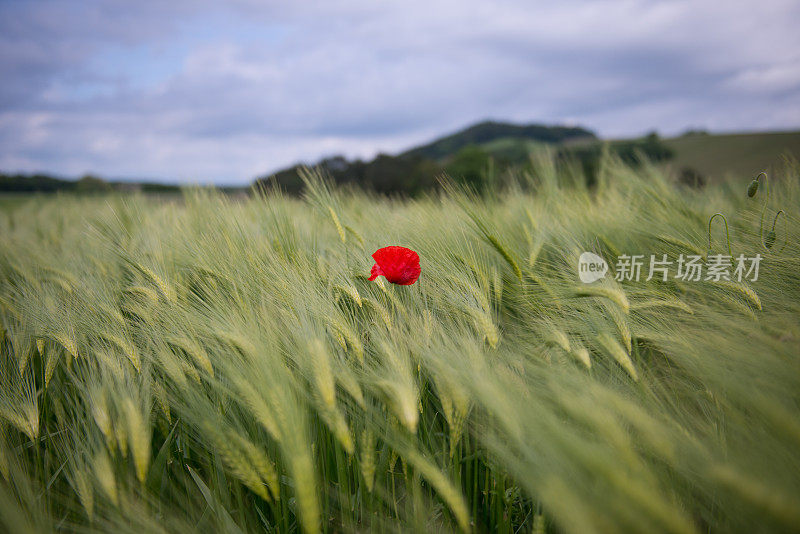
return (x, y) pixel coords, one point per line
(472, 154)
(465, 155)
(489, 131)
(468, 155)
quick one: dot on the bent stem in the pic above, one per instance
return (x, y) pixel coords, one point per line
(785, 224)
(764, 208)
(753, 188)
(727, 233)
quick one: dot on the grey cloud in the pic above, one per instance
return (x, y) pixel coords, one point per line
(259, 85)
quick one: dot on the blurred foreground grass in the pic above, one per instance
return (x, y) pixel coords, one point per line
(217, 365)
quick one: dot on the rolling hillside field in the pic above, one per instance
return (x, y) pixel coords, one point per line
(745, 154)
(714, 156)
(219, 364)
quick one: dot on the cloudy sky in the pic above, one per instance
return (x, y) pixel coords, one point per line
(202, 91)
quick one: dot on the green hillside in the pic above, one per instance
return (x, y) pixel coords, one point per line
(464, 155)
(489, 131)
(711, 156)
(716, 156)
(512, 148)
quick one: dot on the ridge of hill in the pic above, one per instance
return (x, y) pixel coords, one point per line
(489, 131)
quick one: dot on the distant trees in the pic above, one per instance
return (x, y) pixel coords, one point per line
(31, 183)
(384, 174)
(631, 152)
(92, 184)
(695, 132)
(470, 166)
(411, 175)
(87, 184)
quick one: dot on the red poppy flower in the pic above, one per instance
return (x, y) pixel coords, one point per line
(399, 265)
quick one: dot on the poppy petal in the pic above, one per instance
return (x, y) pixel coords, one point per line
(399, 265)
(375, 272)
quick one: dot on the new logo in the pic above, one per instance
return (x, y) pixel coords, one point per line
(591, 267)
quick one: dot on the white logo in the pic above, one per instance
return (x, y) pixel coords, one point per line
(591, 267)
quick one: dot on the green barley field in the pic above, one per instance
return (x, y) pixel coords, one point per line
(213, 364)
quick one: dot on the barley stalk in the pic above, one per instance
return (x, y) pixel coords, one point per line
(4, 462)
(104, 472)
(258, 407)
(263, 466)
(618, 353)
(367, 463)
(126, 347)
(622, 326)
(68, 343)
(616, 296)
(743, 289)
(768, 499)
(443, 486)
(323, 375)
(139, 434)
(557, 337)
(229, 448)
(302, 470)
(166, 290)
(580, 353)
(195, 351)
(85, 493)
(339, 228)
